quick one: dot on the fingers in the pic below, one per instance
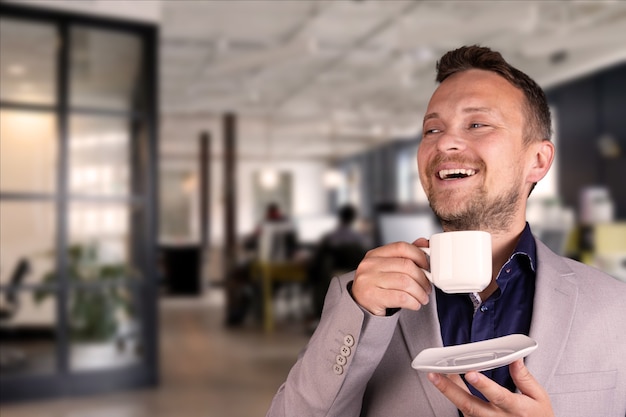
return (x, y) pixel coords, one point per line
(493, 392)
(453, 387)
(403, 250)
(389, 277)
(525, 382)
(501, 397)
(467, 403)
(533, 394)
(533, 400)
(458, 381)
(382, 284)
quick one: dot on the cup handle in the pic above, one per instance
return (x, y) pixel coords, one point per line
(426, 272)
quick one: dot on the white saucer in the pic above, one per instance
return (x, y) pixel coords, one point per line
(477, 356)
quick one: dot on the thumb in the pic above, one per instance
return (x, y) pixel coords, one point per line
(422, 242)
(525, 381)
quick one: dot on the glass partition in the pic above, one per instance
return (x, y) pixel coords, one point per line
(27, 233)
(29, 337)
(104, 68)
(28, 151)
(99, 155)
(28, 332)
(77, 204)
(28, 53)
(101, 232)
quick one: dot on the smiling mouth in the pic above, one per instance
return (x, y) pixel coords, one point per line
(452, 174)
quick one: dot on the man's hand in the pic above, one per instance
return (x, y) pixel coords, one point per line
(532, 401)
(390, 277)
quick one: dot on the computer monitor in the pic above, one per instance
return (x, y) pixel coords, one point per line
(311, 229)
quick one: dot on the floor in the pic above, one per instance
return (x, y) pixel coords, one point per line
(207, 370)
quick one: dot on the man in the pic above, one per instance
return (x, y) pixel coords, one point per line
(341, 249)
(485, 145)
(345, 233)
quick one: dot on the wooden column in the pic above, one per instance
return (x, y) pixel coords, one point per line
(229, 124)
(205, 189)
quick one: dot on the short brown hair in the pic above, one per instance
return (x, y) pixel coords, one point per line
(479, 57)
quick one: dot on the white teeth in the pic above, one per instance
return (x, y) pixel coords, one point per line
(447, 173)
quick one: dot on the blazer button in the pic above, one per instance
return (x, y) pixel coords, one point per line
(348, 340)
(337, 369)
(345, 351)
(341, 360)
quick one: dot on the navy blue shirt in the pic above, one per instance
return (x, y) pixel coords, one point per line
(464, 319)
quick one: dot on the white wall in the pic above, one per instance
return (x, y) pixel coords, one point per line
(179, 157)
(309, 194)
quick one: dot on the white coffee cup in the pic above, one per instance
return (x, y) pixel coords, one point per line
(460, 261)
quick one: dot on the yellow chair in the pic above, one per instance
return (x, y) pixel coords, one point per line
(270, 272)
(610, 248)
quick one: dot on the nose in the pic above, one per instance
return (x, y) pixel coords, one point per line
(450, 141)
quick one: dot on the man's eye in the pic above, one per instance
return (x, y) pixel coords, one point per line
(431, 131)
(475, 125)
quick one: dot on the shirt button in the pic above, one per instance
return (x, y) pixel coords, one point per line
(508, 270)
(337, 369)
(348, 340)
(341, 360)
(345, 351)
(484, 308)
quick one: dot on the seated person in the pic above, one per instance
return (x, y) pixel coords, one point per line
(274, 239)
(339, 251)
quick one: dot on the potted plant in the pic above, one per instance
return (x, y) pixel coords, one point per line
(95, 313)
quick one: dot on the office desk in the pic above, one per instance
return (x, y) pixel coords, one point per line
(182, 267)
(270, 272)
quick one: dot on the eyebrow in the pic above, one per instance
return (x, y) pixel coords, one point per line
(477, 110)
(467, 110)
(431, 116)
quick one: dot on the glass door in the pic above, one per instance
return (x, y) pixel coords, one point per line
(77, 204)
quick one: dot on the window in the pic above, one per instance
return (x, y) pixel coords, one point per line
(77, 222)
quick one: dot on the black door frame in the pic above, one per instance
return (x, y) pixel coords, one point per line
(144, 196)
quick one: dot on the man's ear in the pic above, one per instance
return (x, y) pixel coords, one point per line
(543, 155)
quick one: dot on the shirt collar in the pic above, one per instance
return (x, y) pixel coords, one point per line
(526, 247)
(522, 259)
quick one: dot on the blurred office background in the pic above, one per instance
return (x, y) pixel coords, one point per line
(142, 142)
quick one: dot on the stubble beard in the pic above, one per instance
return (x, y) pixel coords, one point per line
(477, 212)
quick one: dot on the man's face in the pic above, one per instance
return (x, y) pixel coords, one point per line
(472, 160)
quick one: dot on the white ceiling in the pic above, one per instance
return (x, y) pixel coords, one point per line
(321, 78)
(318, 78)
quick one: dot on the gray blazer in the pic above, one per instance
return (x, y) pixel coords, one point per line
(579, 322)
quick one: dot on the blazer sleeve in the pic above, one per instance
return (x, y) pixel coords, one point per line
(332, 372)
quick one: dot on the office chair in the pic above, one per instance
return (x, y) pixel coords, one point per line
(11, 357)
(332, 261)
(277, 241)
(275, 265)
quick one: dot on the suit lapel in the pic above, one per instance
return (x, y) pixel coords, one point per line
(553, 312)
(419, 330)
